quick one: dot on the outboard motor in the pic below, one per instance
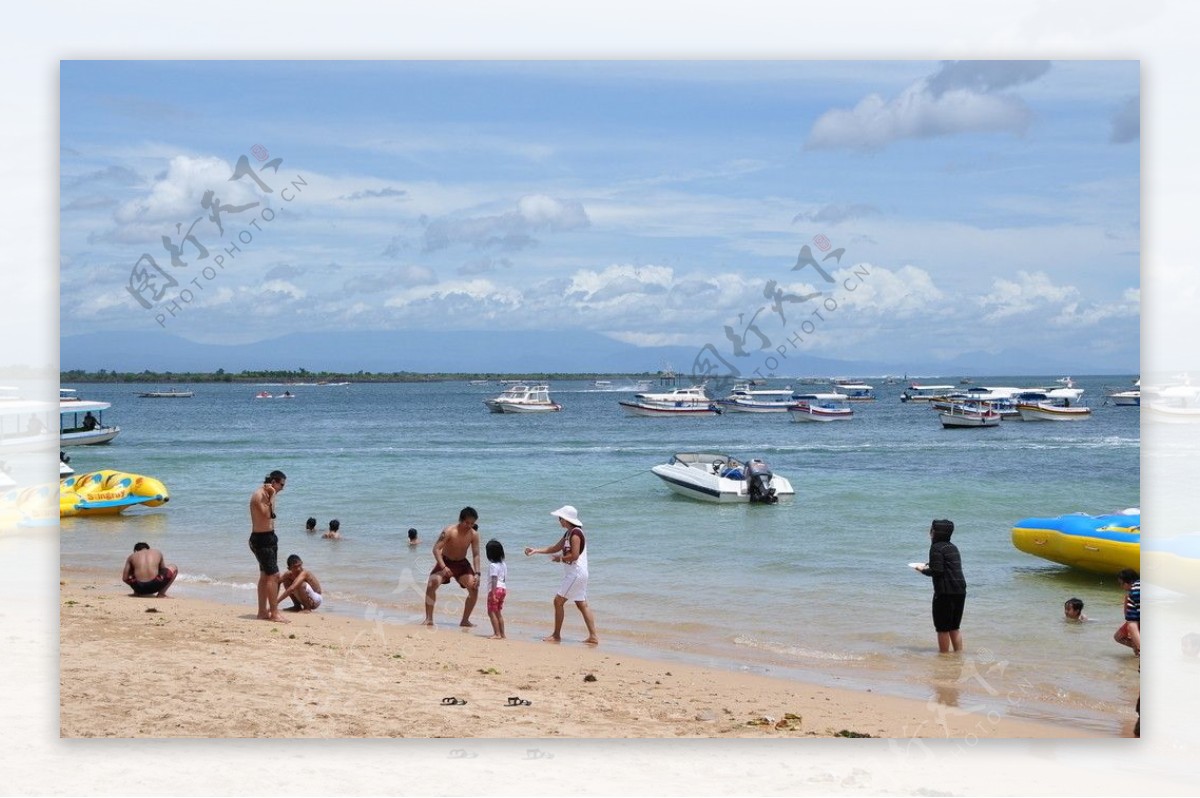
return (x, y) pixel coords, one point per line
(759, 475)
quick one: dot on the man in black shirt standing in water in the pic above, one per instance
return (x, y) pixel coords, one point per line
(949, 585)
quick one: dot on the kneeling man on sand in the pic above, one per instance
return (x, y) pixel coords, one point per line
(450, 562)
(147, 573)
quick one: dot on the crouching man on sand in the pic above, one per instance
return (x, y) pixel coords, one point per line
(300, 585)
(147, 573)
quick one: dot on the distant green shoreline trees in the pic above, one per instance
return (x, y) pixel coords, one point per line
(304, 375)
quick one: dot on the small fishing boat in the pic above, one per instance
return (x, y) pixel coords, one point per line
(1045, 411)
(1102, 544)
(856, 391)
(962, 416)
(820, 407)
(925, 393)
(722, 479)
(81, 422)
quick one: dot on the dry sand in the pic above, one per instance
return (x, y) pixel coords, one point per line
(145, 667)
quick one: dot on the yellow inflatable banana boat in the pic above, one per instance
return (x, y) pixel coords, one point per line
(1103, 544)
(108, 492)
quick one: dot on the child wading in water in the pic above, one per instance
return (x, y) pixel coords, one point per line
(497, 574)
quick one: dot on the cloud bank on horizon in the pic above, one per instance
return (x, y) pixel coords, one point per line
(994, 205)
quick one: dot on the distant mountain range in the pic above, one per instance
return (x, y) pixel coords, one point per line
(494, 351)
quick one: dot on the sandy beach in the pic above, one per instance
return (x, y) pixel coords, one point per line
(134, 667)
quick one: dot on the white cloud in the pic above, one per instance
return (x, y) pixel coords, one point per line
(1029, 292)
(175, 196)
(290, 290)
(510, 230)
(961, 97)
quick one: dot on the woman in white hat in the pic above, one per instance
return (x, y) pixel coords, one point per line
(573, 556)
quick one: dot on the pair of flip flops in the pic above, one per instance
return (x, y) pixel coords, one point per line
(517, 701)
(451, 701)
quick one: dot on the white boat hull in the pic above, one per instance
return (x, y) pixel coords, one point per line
(516, 407)
(821, 414)
(961, 420)
(653, 411)
(1044, 413)
(88, 437)
(695, 484)
(741, 406)
(1127, 399)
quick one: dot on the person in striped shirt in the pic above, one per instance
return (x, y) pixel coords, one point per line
(1130, 632)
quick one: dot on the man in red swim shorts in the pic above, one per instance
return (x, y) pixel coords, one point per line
(450, 562)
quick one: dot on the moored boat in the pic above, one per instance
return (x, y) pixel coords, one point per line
(925, 393)
(1099, 543)
(81, 422)
(173, 393)
(722, 479)
(691, 401)
(820, 407)
(523, 399)
(745, 398)
(1044, 411)
(962, 416)
(856, 391)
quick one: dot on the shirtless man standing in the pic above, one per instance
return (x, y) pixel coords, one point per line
(450, 555)
(147, 573)
(265, 545)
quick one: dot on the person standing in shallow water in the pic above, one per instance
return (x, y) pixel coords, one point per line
(949, 585)
(575, 577)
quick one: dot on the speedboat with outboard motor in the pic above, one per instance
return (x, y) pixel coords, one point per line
(723, 479)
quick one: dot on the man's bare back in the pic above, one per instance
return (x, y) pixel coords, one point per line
(145, 564)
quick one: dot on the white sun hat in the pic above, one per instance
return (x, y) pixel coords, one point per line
(568, 514)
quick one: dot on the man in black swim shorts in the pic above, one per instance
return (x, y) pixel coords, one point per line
(147, 573)
(265, 545)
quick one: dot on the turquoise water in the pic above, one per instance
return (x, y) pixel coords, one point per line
(814, 588)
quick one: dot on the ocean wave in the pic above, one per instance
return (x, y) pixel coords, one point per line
(796, 651)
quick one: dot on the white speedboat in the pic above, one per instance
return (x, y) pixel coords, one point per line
(1126, 398)
(523, 399)
(1044, 411)
(722, 479)
(1130, 398)
(691, 401)
(745, 398)
(820, 407)
(968, 416)
(81, 423)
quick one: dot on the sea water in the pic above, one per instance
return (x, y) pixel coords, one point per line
(813, 588)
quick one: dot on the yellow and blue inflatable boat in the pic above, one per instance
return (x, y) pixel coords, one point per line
(108, 492)
(1103, 544)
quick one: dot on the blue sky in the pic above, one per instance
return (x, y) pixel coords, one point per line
(995, 205)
